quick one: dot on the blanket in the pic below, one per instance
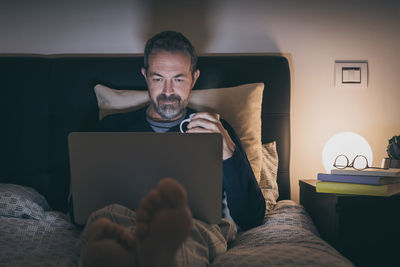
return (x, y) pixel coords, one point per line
(31, 234)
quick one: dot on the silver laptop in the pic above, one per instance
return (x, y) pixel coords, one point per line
(121, 167)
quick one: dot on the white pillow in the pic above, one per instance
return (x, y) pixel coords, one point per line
(239, 105)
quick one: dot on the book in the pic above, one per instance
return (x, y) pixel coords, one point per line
(358, 189)
(357, 179)
(391, 172)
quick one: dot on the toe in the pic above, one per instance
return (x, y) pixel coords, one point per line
(150, 202)
(142, 215)
(172, 191)
(154, 200)
(96, 230)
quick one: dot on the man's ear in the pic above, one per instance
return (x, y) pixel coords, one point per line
(144, 73)
(196, 75)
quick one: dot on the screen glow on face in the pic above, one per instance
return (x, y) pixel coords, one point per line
(169, 81)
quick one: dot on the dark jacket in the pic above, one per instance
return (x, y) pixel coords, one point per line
(246, 203)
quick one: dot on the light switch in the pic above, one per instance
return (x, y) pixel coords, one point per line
(351, 74)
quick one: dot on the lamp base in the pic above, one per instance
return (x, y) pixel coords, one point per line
(390, 163)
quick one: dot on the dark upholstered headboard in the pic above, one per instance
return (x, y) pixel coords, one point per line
(46, 97)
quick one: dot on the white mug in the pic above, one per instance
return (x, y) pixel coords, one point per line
(186, 121)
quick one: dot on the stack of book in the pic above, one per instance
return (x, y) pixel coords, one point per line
(370, 182)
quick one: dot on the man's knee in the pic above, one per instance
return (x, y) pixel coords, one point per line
(115, 213)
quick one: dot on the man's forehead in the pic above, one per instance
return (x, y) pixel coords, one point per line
(172, 63)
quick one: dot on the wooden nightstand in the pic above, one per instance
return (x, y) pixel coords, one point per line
(365, 229)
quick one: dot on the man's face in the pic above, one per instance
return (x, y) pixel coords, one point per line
(170, 81)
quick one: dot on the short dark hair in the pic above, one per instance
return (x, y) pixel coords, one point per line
(170, 41)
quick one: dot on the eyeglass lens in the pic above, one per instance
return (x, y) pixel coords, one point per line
(360, 162)
(341, 161)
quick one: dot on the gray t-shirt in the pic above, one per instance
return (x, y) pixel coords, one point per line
(162, 127)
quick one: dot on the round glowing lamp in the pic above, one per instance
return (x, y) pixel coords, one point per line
(346, 143)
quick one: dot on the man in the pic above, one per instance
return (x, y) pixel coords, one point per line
(170, 72)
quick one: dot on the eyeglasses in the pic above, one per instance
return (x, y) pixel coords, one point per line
(359, 162)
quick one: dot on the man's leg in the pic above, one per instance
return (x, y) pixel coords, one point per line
(163, 223)
(206, 242)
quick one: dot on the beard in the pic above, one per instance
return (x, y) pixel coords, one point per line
(171, 110)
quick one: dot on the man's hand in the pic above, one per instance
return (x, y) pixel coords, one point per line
(204, 122)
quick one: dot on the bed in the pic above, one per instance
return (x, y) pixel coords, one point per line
(47, 97)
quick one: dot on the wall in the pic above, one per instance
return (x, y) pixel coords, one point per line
(314, 33)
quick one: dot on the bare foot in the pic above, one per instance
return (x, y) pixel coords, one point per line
(163, 223)
(108, 244)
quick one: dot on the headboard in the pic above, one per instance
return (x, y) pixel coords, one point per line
(46, 97)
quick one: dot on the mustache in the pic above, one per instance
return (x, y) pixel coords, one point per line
(164, 97)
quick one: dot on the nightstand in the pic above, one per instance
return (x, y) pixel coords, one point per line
(365, 229)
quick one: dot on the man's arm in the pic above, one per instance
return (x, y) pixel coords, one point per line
(245, 200)
(205, 122)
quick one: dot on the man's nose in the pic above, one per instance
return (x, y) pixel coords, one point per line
(168, 87)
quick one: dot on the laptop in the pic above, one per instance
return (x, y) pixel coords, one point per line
(122, 167)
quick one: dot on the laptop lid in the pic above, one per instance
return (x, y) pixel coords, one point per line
(121, 167)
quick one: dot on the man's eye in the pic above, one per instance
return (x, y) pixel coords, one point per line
(156, 79)
(178, 80)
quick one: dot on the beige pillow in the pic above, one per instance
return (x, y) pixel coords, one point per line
(239, 105)
(269, 172)
(112, 101)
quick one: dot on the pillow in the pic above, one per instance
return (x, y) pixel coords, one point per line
(269, 171)
(239, 105)
(21, 202)
(112, 101)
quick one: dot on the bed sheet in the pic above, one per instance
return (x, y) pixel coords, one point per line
(50, 241)
(287, 238)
